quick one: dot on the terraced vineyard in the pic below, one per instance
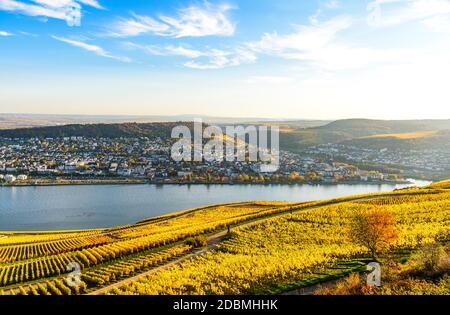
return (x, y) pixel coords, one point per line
(273, 247)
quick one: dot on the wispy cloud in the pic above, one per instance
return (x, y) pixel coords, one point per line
(332, 4)
(218, 59)
(4, 33)
(384, 13)
(168, 50)
(92, 48)
(193, 21)
(202, 60)
(68, 10)
(438, 23)
(305, 38)
(28, 34)
(92, 3)
(317, 45)
(139, 25)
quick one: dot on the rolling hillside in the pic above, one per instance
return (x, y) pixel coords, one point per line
(295, 139)
(417, 140)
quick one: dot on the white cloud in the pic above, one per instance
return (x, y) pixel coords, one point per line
(193, 21)
(92, 3)
(185, 52)
(202, 60)
(306, 38)
(68, 10)
(317, 46)
(91, 48)
(218, 59)
(28, 34)
(384, 13)
(166, 50)
(139, 25)
(438, 23)
(332, 4)
(4, 33)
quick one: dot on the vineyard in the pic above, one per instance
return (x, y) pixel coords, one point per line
(269, 247)
(27, 257)
(282, 251)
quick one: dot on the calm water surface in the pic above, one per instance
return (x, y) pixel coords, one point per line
(81, 207)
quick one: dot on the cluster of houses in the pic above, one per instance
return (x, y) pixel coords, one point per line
(433, 160)
(151, 159)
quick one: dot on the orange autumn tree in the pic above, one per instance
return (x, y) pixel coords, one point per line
(374, 229)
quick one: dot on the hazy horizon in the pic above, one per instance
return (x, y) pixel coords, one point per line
(194, 116)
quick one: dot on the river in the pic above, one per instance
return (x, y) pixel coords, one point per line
(83, 207)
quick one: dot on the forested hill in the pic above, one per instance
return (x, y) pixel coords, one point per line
(126, 130)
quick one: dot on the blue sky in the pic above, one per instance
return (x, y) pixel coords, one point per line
(322, 59)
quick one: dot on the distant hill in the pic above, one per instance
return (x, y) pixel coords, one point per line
(294, 124)
(127, 130)
(366, 127)
(419, 140)
(349, 129)
(295, 135)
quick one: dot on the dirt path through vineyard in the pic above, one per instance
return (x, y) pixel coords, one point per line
(212, 243)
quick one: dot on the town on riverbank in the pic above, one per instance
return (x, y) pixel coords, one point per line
(82, 160)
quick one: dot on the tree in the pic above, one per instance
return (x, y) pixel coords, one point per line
(313, 176)
(374, 229)
(293, 176)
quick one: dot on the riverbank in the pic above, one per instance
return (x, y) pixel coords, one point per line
(142, 181)
(398, 182)
(64, 182)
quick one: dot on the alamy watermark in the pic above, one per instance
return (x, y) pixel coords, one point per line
(375, 17)
(74, 276)
(259, 144)
(374, 277)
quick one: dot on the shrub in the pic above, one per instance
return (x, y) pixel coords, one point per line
(431, 260)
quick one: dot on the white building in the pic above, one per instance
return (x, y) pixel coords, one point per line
(124, 172)
(113, 167)
(22, 177)
(10, 178)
